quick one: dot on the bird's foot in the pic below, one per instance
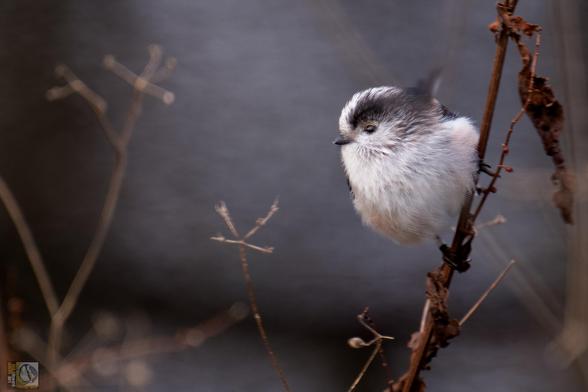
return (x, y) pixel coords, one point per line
(455, 260)
(458, 260)
(483, 167)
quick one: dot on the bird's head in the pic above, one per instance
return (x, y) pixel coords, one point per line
(379, 120)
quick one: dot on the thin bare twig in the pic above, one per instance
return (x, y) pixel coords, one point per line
(262, 249)
(223, 211)
(498, 220)
(385, 365)
(366, 365)
(262, 221)
(483, 297)
(357, 342)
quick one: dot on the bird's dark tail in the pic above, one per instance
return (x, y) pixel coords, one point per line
(429, 85)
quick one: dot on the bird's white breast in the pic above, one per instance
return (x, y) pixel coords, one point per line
(409, 194)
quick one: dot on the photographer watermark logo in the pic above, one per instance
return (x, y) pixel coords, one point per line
(23, 375)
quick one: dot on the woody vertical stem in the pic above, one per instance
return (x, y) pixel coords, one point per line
(409, 381)
(501, 45)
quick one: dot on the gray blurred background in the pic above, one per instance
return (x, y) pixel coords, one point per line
(259, 86)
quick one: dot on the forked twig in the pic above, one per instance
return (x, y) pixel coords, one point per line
(223, 211)
(383, 360)
(357, 342)
(262, 221)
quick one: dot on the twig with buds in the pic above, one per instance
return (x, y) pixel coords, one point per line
(436, 327)
(506, 144)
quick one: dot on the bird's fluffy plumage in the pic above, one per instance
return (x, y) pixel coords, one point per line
(409, 161)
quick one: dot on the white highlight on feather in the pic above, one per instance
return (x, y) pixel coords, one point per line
(352, 103)
(409, 192)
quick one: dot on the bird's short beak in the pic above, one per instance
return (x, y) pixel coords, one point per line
(341, 141)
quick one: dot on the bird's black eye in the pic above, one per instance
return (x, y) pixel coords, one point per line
(370, 129)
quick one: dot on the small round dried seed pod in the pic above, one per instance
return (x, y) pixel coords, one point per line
(356, 342)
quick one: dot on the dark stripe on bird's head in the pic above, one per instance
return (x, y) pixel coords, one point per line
(393, 104)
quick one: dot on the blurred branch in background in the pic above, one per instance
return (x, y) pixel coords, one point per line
(97, 353)
(142, 84)
(119, 141)
(4, 349)
(572, 343)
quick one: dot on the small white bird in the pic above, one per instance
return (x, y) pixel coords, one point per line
(409, 161)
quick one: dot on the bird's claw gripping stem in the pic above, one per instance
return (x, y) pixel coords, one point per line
(456, 261)
(459, 259)
(483, 167)
(451, 259)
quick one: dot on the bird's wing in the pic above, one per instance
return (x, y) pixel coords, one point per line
(446, 114)
(429, 85)
(350, 188)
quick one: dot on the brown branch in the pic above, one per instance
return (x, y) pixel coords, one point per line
(499, 56)
(506, 144)
(546, 114)
(223, 211)
(422, 351)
